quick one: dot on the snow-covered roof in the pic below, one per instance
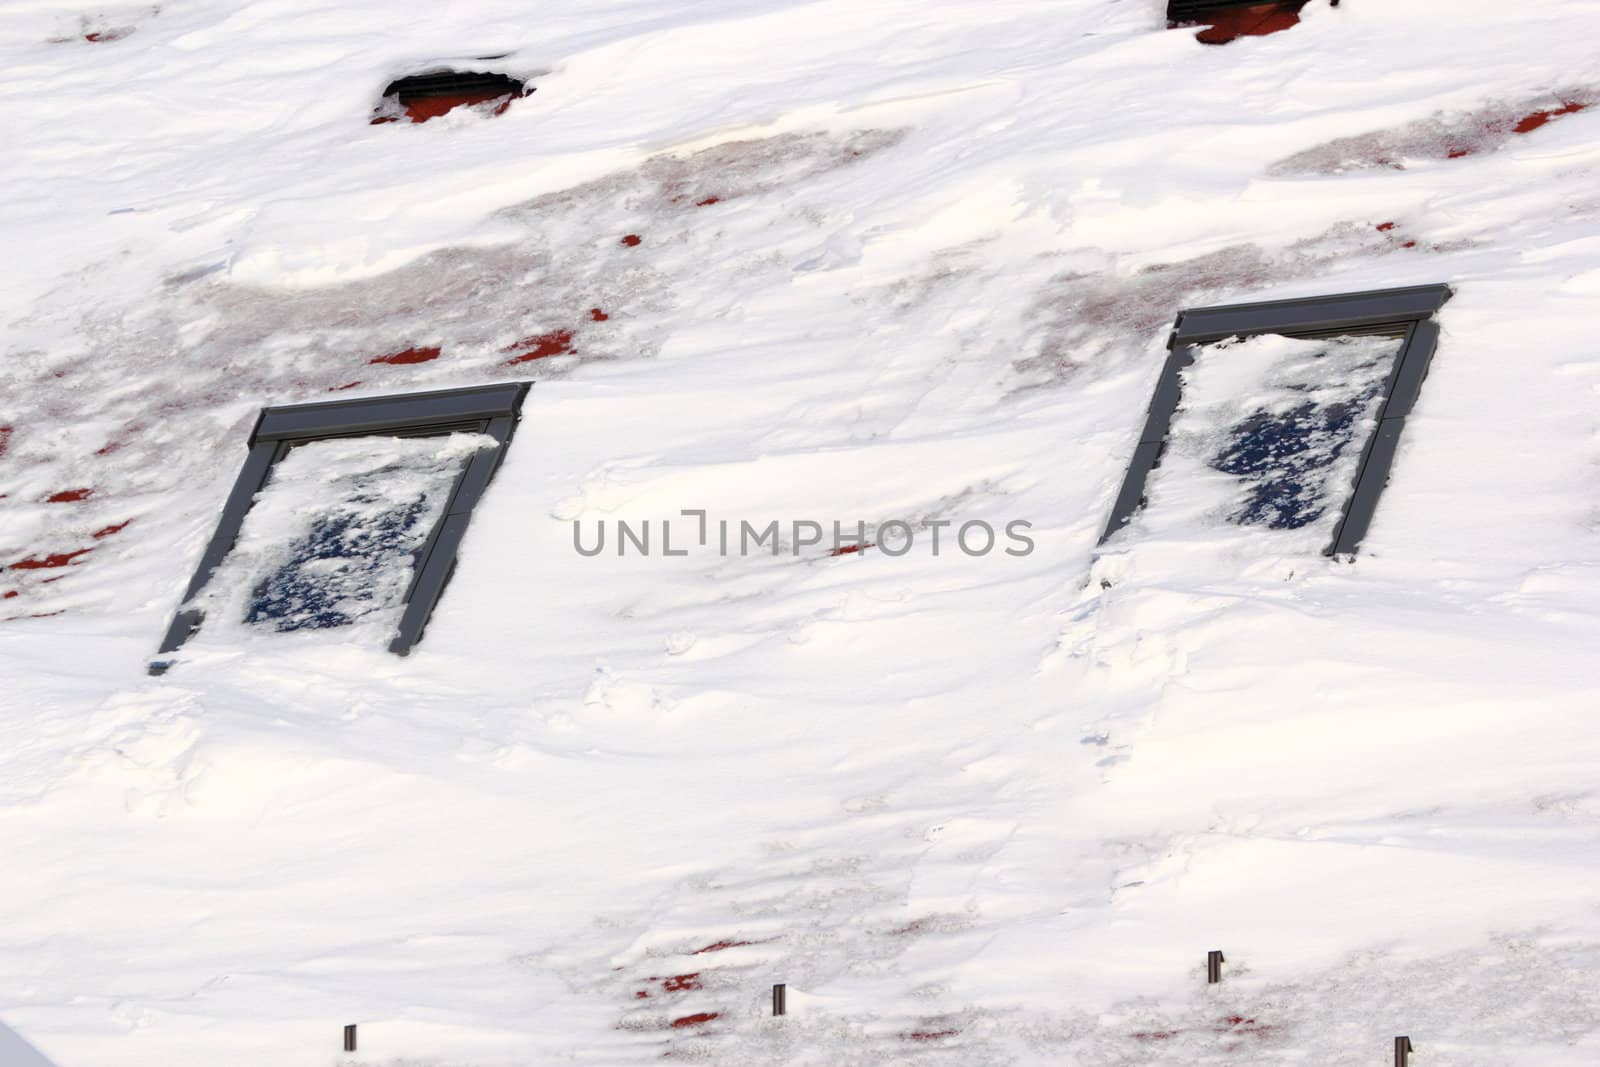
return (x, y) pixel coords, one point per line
(861, 263)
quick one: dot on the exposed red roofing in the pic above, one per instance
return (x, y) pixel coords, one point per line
(718, 946)
(409, 355)
(1249, 20)
(431, 107)
(55, 559)
(1533, 121)
(554, 343)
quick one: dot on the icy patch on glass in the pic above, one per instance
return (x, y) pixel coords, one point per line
(331, 540)
(1270, 430)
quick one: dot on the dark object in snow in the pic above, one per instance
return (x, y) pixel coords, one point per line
(1228, 20)
(350, 1038)
(488, 409)
(427, 96)
(1272, 447)
(780, 999)
(1214, 962)
(1402, 1051)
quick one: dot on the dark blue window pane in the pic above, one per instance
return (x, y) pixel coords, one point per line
(1270, 430)
(1284, 458)
(310, 591)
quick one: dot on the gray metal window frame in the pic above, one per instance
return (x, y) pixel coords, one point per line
(1411, 309)
(489, 409)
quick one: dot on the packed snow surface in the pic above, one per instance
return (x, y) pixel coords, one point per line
(866, 262)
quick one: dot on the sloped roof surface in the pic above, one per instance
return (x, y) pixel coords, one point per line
(841, 262)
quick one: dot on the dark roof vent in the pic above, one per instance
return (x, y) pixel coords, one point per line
(1227, 20)
(420, 97)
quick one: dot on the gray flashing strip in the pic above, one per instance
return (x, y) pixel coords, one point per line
(1347, 311)
(1411, 308)
(1180, 10)
(494, 408)
(412, 411)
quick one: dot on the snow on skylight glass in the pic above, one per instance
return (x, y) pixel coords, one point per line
(331, 540)
(1270, 431)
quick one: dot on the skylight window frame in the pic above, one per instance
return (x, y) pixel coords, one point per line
(1409, 310)
(493, 410)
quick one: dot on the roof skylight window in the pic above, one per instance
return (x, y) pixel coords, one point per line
(349, 514)
(1283, 416)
